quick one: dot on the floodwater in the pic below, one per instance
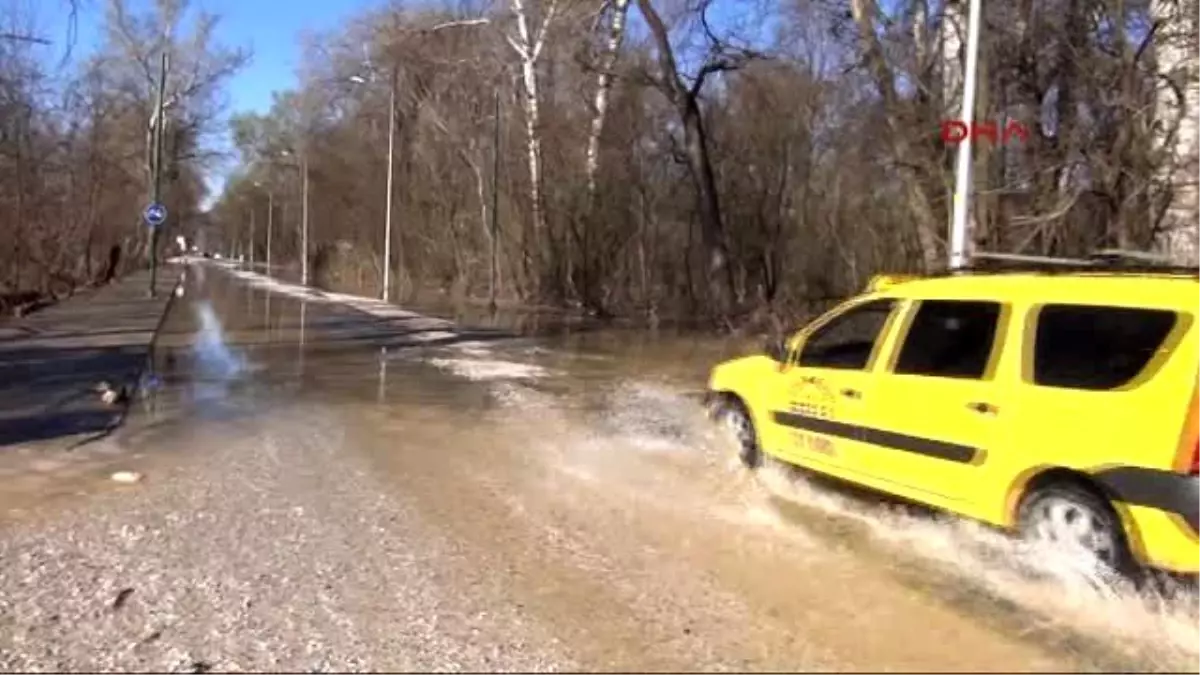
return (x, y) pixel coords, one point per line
(581, 484)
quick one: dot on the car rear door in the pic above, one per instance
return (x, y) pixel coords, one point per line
(936, 410)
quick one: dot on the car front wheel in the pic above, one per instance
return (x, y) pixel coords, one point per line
(732, 413)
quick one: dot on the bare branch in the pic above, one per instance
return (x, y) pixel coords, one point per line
(24, 38)
(517, 47)
(458, 24)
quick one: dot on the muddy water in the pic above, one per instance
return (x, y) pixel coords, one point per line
(594, 435)
(582, 485)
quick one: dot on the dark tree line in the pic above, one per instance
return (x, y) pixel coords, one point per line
(708, 157)
(75, 141)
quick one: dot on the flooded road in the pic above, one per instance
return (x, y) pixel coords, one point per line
(335, 484)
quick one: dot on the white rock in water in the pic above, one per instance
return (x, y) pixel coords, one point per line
(127, 477)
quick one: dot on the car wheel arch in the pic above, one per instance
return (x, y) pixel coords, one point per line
(1045, 476)
(731, 397)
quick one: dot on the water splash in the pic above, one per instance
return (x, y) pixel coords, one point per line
(1054, 591)
(480, 369)
(651, 445)
(653, 416)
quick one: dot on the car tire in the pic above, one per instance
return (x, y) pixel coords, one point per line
(731, 412)
(1075, 516)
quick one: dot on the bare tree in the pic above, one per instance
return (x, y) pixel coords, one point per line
(706, 177)
(685, 99)
(532, 29)
(604, 78)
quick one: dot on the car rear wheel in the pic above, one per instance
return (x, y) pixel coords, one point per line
(732, 413)
(1076, 520)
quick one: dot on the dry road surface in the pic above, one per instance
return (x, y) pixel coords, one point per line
(338, 485)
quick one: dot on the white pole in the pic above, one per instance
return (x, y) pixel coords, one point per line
(962, 179)
(387, 220)
(304, 219)
(252, 236)
(270, 225)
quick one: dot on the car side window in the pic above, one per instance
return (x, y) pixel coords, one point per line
(949, 339)
(1095, 347)
(846, 342)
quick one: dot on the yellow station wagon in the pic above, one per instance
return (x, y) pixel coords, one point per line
(1054, 401)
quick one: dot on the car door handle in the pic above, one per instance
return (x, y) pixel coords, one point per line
(851, 393)
(983, 408)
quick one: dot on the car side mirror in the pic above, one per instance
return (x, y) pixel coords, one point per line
(776, 350)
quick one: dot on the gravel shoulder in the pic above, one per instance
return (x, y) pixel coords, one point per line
(265, 548)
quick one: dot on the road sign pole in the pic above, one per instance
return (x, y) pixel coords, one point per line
(157, 168)
(155, 197)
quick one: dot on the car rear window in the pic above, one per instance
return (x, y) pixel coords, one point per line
(1096, 347)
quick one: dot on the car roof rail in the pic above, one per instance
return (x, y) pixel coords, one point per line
(1104, 260)
(1139, 257)
(1024, 261)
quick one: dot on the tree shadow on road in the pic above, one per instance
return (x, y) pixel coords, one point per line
(52, 425)
(54, 392)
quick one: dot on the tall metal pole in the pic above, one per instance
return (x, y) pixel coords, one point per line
(270, 225)
(495, 200)
(391, 167)
(156, 193)
(962, 180)
(304, 218)
(252, 235)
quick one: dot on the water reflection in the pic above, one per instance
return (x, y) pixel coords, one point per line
(268, 324)
(216, 365)
(381, 395)
(303, 329)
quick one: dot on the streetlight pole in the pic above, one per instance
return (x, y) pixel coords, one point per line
(252, 235)
(270, 224)
(495, 200)
(962, 179)
(304, 217)
(391, 170)
(156, 192)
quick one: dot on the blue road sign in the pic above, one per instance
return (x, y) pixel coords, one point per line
(155, 215)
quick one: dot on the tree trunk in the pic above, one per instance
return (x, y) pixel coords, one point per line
(695, 142)
(708, 207)
(604, 81)
(528, 44)
(1175, 53)
(924, 217)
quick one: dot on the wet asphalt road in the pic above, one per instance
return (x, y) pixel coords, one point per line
(327, 489)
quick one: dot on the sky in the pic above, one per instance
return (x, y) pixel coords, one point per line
(270, 28)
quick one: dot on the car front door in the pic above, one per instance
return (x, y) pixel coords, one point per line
(936, 408)
(818, 403)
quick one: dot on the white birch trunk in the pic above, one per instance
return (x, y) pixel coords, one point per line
(604, 80)
(528, 44)
(1176, 58)
(533, 147)
(952, 34)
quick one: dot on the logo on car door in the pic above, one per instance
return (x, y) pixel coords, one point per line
(812, 397)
